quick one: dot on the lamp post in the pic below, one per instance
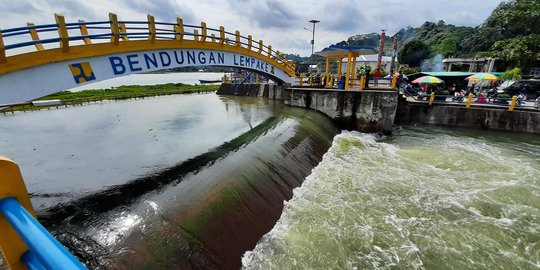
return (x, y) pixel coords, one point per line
(313, 39)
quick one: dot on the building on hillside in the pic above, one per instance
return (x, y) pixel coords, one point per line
(371, 60)
(476, 64)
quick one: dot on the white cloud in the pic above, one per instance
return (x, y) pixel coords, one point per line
(277, 22)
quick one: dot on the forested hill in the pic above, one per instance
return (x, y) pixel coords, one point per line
(511, 33)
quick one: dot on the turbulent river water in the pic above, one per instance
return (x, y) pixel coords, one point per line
(199, 182)
(425, 198)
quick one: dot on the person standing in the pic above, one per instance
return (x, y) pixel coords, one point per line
(377, 75)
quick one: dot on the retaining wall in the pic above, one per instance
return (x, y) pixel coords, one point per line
(480, 117)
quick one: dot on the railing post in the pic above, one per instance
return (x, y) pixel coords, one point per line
(151, 28)
(394, 81)
(12, 186)
(270, 51)
(195, 35)
(35, 36)
(123, 31)
(84, 32)
(213, 38)
(260, 46)
(237, 34)
(310, 79)
(221, 35)
(179, 29)
(250, 41)
(278, 54)
(469, 101)
(431, 98)
(301, 80)
(62, 32)
(115, 31)
(362, 81)
(203, 31)
(512, 104)
(3, 58)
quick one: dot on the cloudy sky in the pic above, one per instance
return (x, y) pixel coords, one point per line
(277, 22)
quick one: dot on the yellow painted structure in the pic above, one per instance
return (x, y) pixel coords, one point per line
(12, 186)
(340, 53)
(513, 103)
(362, 82)
(120, 43)
(469, 101)
(431, 98)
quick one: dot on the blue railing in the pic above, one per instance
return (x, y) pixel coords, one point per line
(45, 252)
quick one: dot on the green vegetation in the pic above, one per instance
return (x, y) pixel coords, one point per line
(413, 53)
(511, 33)
(132, 91)
(513, 74)
(122, 92)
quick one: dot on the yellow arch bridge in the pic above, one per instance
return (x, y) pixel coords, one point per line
(70, 54)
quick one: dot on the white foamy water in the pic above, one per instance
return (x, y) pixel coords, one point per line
(427, 198)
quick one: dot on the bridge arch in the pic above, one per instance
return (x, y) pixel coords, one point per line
(86, 52)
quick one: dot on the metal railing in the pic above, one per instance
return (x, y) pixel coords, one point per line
(468, 101)
(115, 32)
(25, 243)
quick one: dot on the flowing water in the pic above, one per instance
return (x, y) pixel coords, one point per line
(195, 181)
(425, 198)
(173, 182)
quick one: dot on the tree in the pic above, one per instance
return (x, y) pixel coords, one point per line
(413, 53)
(509, 20)
(520, 51)
(513, 74)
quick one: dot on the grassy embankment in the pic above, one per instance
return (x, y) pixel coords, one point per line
(121, 92)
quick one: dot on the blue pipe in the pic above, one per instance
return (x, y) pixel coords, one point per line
(42, 244)
(31, 261)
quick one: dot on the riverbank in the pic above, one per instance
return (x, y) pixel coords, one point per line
(122, 92)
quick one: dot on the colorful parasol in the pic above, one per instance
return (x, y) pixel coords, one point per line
(427, 80)
(482, 77)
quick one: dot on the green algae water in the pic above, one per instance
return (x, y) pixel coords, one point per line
(426, 198)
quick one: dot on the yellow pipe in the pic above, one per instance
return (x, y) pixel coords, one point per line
(431, 98)
(327, 73)
(513, 103)
(347, 74)
(394, 81)
(339, 67)
(469, 101)
(301, 80)
(354, 67)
